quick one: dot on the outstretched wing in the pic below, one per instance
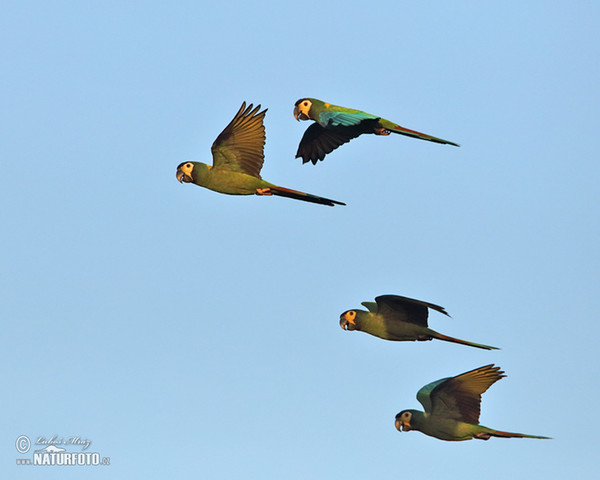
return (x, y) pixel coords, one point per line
(459, 398)
(240, 146)
(318, 142)
(404, 309)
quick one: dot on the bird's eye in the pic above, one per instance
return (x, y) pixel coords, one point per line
(306, 104)
(189, 165)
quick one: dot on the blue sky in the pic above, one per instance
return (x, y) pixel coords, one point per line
(187, 333)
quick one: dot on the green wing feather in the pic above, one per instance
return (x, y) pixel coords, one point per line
(240, 146)
(459, 398)
(371, 306)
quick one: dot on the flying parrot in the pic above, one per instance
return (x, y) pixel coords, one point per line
(452, 407)
(335, 126)
(238, 155)
(393, 317)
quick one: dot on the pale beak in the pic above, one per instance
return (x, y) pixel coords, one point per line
(296, 113)
(179, 175)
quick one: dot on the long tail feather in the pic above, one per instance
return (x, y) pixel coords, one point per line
(423, 136)
(499, 433)
(305, 197)
(446, 338)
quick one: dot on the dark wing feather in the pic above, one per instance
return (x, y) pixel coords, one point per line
(318, 141)
(404, 309)
(459, 397)
(240, 146)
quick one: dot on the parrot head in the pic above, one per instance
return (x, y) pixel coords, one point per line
(403, 421)
(185, 172)
(348, 320)
(302, 109)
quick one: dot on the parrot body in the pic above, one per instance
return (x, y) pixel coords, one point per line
(238, 156)
(223, 180)
(455, 431)
(452, 407)
(397, 318)
(335, 125)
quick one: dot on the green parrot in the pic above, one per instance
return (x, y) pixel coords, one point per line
(452, 407)
(393, 317)
(238, 155)
(335, 126)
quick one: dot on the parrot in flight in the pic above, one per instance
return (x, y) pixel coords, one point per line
(393, 317)
(238, 155)
(452, 406)
(336, 125)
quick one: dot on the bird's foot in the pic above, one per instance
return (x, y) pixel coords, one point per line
(483, 436)
(381, 131)
(263, 191)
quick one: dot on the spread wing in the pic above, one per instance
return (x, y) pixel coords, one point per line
(459, 398)
(318, 141)
(240, 146)
(404, 309)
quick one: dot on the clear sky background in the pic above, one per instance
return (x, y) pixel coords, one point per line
(190, 334)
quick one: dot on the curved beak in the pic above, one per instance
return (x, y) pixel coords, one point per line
(298, 115)
(398, 425)
(182, 177)
(346, 322)
(402, 426)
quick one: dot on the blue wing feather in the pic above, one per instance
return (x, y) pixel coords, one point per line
(343, 119)
(424, 394)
